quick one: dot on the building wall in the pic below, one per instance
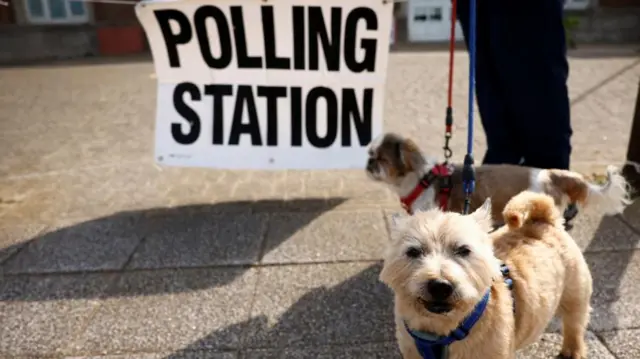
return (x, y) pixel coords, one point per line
(608, 25)
(114, 14)
(22, 42)
(605, 21)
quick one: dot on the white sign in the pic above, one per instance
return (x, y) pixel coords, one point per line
(267, 84)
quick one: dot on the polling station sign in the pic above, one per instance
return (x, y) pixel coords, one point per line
(267, 84)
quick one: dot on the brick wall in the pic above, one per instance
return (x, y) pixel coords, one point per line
(21, 42)
(114, 14)
(24, 44)
(609, 25)
(118, 21)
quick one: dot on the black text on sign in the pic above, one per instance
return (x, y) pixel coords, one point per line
(331, 34)
(338, 115)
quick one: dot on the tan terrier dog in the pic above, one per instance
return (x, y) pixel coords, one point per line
(451, 297)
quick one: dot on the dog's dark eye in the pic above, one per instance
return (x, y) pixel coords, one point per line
(413, 252)
(463, 251)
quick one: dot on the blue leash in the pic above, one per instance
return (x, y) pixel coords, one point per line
(468, 172)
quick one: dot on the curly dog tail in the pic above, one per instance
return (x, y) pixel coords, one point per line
(531, 207)
(609, 198)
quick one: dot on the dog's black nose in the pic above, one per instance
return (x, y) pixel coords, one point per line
(371, 163)
(439, 289)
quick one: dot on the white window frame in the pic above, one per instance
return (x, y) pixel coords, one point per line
(576, 5)
(46, 19)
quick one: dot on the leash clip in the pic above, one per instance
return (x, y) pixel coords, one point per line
(447, 135)
(468, 180)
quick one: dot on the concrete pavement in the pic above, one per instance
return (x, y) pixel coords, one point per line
(105, 255)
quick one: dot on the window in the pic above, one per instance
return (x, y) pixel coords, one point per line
(56, 11)
(428, 14)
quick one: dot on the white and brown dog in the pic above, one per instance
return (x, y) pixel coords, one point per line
(462, 293)
(419, 181)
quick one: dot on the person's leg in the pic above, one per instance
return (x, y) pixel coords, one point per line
(502, 146)
(530, 52)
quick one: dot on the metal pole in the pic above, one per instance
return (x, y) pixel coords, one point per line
(630, 170)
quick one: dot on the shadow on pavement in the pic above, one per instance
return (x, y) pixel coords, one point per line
(608, 269)
(321, 323)
(358, 312)
(222, 234)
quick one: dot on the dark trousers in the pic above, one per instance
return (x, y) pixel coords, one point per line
(521, 75)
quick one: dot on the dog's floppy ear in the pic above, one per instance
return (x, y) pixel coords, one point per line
(483, 216)
(410, 155)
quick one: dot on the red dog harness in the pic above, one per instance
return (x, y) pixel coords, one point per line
(439, 172)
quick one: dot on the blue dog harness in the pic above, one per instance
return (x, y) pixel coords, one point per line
(432, 346)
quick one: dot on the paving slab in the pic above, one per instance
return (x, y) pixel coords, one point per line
(616, 297)
(363, 351)
(308, 305)
(85, 115)
(622, 314)
(200, 239)
(353, 183)
(85, 246)
(625, 344)
(141, 186)
(548, 347)
(199, 354)
(89, 192)
(615, 275)
(550, 344)
(13, 239)
(332, 236)
(257, 185)
(39, 315)
(168, 310)
(84, 146)
(595, 233)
